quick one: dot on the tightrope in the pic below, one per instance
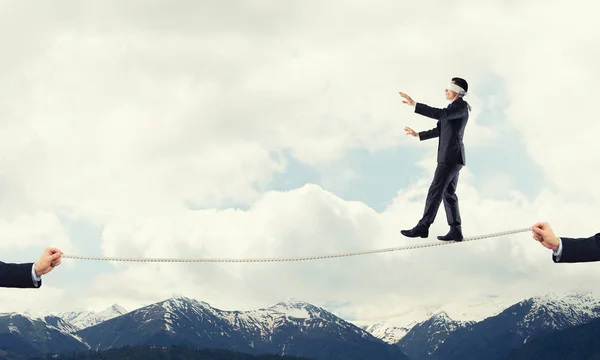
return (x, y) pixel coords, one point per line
(301, 258)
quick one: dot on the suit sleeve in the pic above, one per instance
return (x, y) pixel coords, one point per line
(430, 134)
(579, 249)
(17, 276)
(452, 112)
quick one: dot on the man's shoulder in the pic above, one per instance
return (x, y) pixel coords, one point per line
(458, 102)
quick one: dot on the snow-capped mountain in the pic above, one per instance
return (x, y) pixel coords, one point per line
(393, 329)
(494, 337)
(84, 319)
(20, 333)
(59, 323)
(389, 333)
(302, 329)
(477, 310)
(290, 328)
(577, 342)
(426, 337)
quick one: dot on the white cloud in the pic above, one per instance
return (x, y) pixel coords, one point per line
(37, 302)
(39, 229)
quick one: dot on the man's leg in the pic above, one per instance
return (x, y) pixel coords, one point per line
(442, 176)
(441, 179)
(451, 206)
(451, 202)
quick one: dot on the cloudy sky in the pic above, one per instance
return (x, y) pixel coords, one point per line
(274, 128)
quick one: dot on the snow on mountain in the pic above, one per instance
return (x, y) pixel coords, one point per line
(59, 323)
(387, 332)
(295, 309)
(267, 320)
(562, 310)
(478, 310)
(23, 333)
(494, 337)
(392, 329)
(427, 336)
(292, 327)
(84, 319)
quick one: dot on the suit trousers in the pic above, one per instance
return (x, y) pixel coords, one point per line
(443, 188)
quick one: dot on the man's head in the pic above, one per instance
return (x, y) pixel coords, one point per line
(458, 87)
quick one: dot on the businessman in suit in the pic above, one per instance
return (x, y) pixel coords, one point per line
(567, 250)
(29, 275)
(450, 128)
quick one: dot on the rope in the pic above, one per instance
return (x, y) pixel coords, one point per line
(302, 258)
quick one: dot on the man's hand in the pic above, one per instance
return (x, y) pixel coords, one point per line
(543, 233)
(48, 261)
(408, 100)
(410, 131)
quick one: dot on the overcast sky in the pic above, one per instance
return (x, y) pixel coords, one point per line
(275, 128)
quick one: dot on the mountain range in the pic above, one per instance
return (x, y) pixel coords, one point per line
(496, 330)
(287, 328)
(495, 335)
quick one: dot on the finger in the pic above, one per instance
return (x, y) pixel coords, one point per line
(51, 251)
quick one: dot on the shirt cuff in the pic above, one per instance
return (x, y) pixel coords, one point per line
(558, 251)
(34, 277)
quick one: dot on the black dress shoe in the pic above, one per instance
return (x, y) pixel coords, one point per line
(455, 234)
(417, 231)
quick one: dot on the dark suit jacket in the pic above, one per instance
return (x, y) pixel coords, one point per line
(450, 130)
(17, 276)
(580, 249)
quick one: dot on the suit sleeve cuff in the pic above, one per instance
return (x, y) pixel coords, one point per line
(36, 279)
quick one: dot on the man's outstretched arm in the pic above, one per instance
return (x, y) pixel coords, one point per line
(28, 275)
(429, 134)
(578, 249)
(567, 250)
(17, 275)
(453, 111)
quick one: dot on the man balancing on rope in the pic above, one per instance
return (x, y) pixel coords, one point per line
(450, 158)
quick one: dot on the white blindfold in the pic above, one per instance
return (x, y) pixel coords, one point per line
(456, 88)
